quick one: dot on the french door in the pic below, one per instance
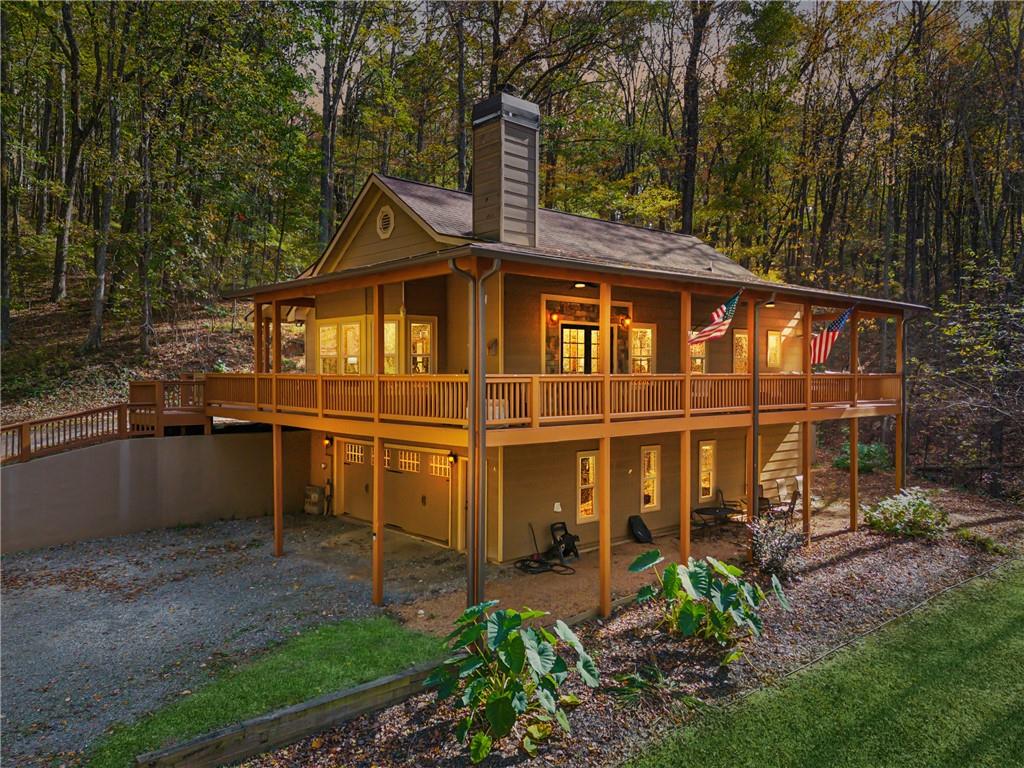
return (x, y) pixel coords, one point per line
(579, 348)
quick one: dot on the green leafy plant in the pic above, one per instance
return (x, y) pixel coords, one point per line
(649, 684)
(507, 675)
(871, 457)
(981, 541)
(909, 513)
(706, 599)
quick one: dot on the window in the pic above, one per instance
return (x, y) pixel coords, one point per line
(387, 458)
(581, 348)
(440, 465)
(698, 357)
(328, 347)
(586, 487)
(706, 469)
(408, 461)
(350, 346)
(421, 346)
(650, 478)
(641, 349)
(774, 360)
(391, 355)
(354, 453)
(740, 352)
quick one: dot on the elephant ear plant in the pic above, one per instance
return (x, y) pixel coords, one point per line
(707, 599)
(507, 676)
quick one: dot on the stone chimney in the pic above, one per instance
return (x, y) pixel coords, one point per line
(505, 153)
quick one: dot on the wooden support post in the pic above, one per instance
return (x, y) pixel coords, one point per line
(899, 458)
(158, 409)
(378, 346)
(854, 469)
(604, 512)
(855, 356)
(277, 335)
(805, 469)
(378, 520)
(278, 470)
(750, 480)
(258, 342)
(25, 442)
(605, 352)
(685, 494)
(685, 321)
(808, 329)
(122, 420)
(535, 404)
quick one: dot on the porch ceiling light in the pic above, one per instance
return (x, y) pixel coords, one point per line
(579, 285)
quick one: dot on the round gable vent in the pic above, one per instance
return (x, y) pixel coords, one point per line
(385, 222)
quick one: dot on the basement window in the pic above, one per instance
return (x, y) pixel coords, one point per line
(385, 222)
(706, 451)
(354, 453)
(650, 478)
(586, 487)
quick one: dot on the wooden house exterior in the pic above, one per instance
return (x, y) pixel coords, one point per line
(474, 363)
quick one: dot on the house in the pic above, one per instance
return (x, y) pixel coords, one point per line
(475, 364)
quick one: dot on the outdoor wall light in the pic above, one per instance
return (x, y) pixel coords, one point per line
(558, 507)
(451, 458)
(553, 318)
(625, 321)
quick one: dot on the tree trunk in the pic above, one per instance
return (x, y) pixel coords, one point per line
(700, 12)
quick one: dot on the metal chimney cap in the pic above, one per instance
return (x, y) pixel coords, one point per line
(509, 107)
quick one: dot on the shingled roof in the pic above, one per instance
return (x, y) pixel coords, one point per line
(577, 238)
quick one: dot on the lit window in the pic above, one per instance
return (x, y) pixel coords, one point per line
(350, 336)
(586, 487)
(774, 349)
(387, 458)
(650, 478)
(391, 347)
(698, 357)
(706, 469)
(641, 349)
(740, 352)
(421, 346)
(408, 461)
(328, 348)
(440, 466)
(354, 453)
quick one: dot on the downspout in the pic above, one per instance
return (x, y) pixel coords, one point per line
(476, 485)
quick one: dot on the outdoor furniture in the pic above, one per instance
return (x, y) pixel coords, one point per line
(719, 514)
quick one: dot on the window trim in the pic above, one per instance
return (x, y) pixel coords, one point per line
(694, 348)
(714, 469)
(654, 347)
(338, 322)
(656, 449)
(585, 519)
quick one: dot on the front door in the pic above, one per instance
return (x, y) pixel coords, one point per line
(580, 344)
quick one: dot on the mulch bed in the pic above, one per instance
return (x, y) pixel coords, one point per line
(843, 585)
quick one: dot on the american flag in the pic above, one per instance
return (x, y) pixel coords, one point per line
(720, 320)
(821, 344)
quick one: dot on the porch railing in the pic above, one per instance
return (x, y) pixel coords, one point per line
(535, 400)
(40, 437)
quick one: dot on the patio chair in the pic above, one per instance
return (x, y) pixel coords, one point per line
(719, 514)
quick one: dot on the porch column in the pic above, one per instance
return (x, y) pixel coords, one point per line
(684, 496)
(685, 321)
(378, 346)
(278, 470)
(377, 550)
(749, 478)
(855, 356)
(899, 460)
(805, 470)
(854, 469)
(807, 331)
(257, 318)
(277, 335)
(604, 474)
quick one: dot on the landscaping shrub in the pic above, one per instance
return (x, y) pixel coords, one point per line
(870, 457)
(909, 513)
(985, 543)
(705, 599)
(507, 675)
(772, 542)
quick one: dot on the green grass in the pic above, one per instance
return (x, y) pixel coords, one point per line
(329, 658)
(942, 687)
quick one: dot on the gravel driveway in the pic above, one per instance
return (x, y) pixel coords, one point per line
(103, 631)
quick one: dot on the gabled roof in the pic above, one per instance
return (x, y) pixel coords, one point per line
(577, 238)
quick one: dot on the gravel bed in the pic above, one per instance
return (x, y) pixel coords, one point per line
(844, 584)
(103, 631)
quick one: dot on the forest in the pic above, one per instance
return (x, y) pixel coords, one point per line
(155, 154)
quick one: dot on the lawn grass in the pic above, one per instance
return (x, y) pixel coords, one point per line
(325, 659)
(941, 687)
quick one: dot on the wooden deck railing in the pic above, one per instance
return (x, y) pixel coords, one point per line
(40, 437)
(531, 400)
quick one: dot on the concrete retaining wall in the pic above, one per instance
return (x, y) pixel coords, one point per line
(134, 485)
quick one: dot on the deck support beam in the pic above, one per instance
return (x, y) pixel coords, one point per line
(684, 496)
(377, 549)
(805, 470)
(604, 473)
(899, 459)
(854, 469)
(278, 450)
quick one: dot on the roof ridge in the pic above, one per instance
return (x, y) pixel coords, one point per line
(553, 210)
